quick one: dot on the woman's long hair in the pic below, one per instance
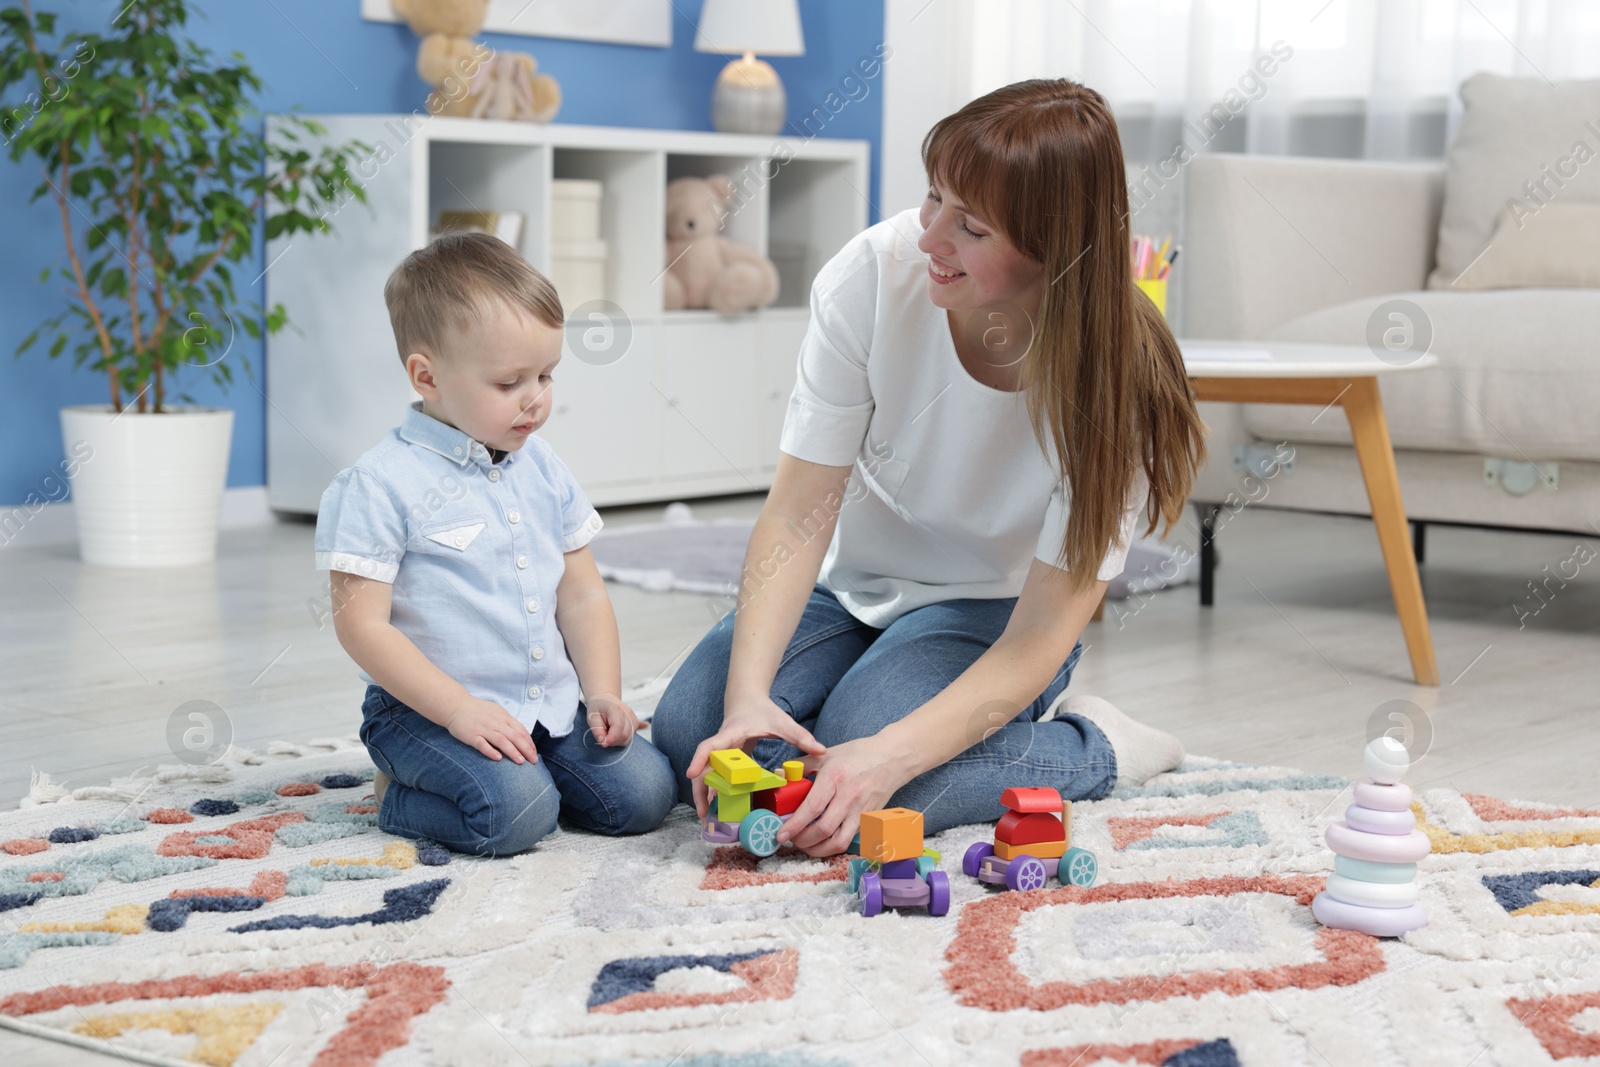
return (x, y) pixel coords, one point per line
(1105, 386)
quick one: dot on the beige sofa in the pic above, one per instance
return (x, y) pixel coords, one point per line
(1306, 250)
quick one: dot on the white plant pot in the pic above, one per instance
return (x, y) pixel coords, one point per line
(147, 488)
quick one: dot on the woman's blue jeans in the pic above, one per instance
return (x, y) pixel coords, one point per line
(445, 790)
(842, 679)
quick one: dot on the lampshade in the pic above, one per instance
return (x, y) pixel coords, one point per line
(765, 27)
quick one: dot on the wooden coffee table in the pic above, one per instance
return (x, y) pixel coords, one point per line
(1328, 375)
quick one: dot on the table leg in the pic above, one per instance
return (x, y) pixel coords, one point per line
(1208, 551)
(1364, 408)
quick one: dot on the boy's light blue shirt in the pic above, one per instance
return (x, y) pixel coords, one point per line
(474, 551)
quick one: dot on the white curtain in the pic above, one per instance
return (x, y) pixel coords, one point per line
(1373, 79)
(1387, 60)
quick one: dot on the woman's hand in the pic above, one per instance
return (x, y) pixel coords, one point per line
(744, 722)
(854, 777)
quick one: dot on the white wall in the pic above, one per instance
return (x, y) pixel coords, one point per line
(947, 52)
(926, 78)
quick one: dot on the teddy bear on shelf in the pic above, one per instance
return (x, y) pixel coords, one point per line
(705, 269)
(469, 78)
(506, 87)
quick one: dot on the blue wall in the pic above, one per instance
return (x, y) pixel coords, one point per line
(340, 64)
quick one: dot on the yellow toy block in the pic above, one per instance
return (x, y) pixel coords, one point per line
(1044, 850)
(891, 834)
(793, 770)
(735, 766)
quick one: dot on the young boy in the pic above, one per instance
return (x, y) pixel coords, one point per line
(462, 586)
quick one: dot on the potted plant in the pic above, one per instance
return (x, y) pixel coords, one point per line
(159, 166)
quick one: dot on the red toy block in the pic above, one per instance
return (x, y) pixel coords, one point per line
(1016, 828)
(1031, 799)
(784, 799)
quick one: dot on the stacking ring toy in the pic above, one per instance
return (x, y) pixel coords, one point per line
(1395, 797)
(1379, 922)
(1386, 760)
(1380, 848)
(1372, 894)
(1373, 821)
(1367, 871)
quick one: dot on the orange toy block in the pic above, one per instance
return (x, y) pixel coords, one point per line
(1052, 851)
(1016, 828)
(891, 834)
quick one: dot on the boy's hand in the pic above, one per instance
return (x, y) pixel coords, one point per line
(611, 721)
(491, 729)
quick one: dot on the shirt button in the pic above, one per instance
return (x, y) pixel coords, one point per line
(533, 692)
(594, 522)
(494, 476)
(341, 563)
(461, 541)
(538, 652)
(458, 450)
(533, 603)
(522, 561)
(514, 515)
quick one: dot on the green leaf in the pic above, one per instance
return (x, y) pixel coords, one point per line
(159, 147)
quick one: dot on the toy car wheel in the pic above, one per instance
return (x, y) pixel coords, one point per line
(972, 862)
(1078, 867)
(758, 833)
(852, 877)
(926, 865)
(871, 894)
(1025, 872)
(938, 893)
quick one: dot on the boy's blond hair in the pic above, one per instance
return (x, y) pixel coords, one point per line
(452, 283)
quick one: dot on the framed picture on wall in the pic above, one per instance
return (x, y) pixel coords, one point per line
(641, 22)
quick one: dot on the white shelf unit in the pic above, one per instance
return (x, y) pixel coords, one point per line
(695, 405)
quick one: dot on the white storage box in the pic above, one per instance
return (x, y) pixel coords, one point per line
(574, 210)
(578, 271)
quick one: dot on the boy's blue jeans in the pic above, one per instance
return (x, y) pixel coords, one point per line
(842, 679)
(447, 791)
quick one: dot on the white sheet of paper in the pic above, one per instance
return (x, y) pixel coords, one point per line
(1211, 354)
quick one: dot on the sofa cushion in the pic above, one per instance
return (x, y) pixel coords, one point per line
(1522, 143)
(1559, 248)
(1518, 375)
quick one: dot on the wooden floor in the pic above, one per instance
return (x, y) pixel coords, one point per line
(1301, 649)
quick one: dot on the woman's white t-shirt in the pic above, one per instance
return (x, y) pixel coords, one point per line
(950, 496)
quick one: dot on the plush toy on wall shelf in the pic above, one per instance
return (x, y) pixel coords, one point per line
(506, 87)
(705, 269)
(469, 78)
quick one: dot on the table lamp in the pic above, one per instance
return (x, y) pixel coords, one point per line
(748, 96)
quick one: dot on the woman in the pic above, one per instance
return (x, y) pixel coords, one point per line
(985, 408)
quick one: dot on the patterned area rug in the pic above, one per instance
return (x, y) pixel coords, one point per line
(263, 920)
(687, 555)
